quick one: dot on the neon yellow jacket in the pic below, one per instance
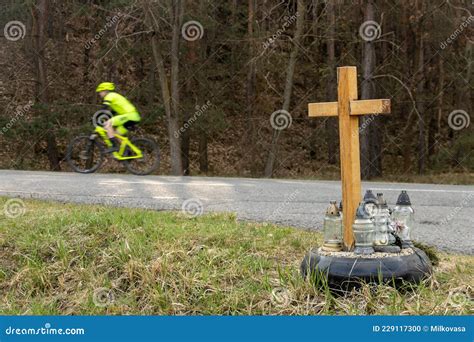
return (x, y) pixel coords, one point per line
(120, 105)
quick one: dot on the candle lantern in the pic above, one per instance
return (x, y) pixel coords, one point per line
(332, 229)
(381, 222)
(364, 231)
(403, 219)
(370, 202)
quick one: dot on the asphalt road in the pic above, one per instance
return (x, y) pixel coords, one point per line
(444, 213)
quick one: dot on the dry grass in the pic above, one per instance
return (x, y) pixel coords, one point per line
(72, 259)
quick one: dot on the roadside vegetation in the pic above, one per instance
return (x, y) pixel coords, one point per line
(70, 259)
(228, 69)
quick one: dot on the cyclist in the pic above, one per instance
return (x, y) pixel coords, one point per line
(125, 115)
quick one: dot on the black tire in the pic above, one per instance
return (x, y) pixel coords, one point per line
(85, 155)
(342, 274)
(151, 157)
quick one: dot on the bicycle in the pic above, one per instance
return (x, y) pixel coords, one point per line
(86, 153)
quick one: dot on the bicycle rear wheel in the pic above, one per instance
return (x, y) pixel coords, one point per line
(150, 161)
(85, 155)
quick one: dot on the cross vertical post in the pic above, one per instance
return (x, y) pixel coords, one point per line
(349, 149)
(347, 109)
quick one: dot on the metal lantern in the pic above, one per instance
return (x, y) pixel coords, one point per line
(364, 231)
(332, 229)
(403, 219)
(381, 222)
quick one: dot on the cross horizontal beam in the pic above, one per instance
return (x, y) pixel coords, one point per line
(357, 107)
(361, 107)
(322, 109)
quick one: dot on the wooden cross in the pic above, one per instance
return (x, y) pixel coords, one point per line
(348, 109)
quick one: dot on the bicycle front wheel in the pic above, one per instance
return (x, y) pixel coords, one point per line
(150, 161)
(85, 155)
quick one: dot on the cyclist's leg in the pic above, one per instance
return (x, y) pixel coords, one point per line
(109, 128)
(113, 126)
(128, 121)
(117, 125)
(130, 124)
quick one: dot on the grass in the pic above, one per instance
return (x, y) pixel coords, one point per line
(76, 259)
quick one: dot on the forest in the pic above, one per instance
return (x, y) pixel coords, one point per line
(224, 86)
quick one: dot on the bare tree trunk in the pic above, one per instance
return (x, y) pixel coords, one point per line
(251, 89)
(314, 149)
(408, 47)
(367, 92)
(234, 21)
(433, 130)
(376, 140)
(469, 59)
(203, 162)
(205, 126)
(178, 9)
(170, 99)
(314, 23)
(288, 85)
(407, 139)
(420, 87)
(330, 123)
(186, 134)
(191, 89)
(41, 13)
(86, 58)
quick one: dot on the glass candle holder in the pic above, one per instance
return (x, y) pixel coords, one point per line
(332, 229)
(403, 217)
(381, 222)
(370, 202)
(364, 231)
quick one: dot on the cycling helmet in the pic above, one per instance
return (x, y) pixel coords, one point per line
(105, 86)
